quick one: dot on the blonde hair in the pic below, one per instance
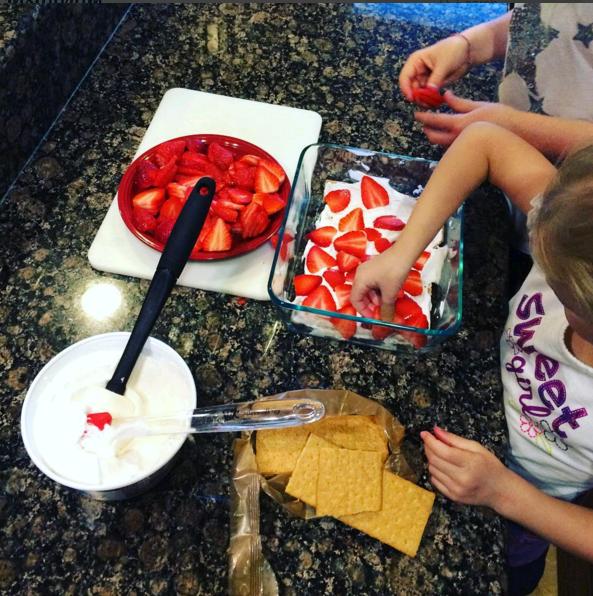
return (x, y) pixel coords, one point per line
(561, 230)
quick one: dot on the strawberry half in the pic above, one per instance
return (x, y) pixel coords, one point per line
(242, 176)
(337, 200)
(275, 168)
(354, 243)
(373, 194)
(254, 220)
(413, 283)
(321, 299)
(318, 259)
(144, 177)
(352, 221)
(164, 175)
(150, 199)
(265, 181)
(168, 150)
(239, 195)
(347, 262)
(171, 209)
(322, 236)
(220, 156)
(345, 327)
(428, 96)
(421, 261)
(334, 277)
(218, 237)
(273, 203)
(389, 222)
(143, 220)
(372, 234)
(304, 284)
(343, 294)
(225, 213)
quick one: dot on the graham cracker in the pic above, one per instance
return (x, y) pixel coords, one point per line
(277, 450)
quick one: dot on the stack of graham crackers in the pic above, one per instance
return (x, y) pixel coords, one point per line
(336, 465)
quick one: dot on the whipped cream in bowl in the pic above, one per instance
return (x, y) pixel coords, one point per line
(106, 464)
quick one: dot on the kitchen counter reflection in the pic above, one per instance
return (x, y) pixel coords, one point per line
(175, 537)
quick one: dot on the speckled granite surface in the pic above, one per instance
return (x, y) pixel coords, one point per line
(44, 52)
(174, 538)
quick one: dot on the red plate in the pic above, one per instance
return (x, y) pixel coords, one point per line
(239, 148)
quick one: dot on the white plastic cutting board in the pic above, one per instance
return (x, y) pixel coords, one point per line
(280, 130)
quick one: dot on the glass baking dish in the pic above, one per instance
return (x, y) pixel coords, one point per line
(327, 163)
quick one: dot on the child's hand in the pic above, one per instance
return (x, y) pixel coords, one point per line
(464, 470)
(377, 282)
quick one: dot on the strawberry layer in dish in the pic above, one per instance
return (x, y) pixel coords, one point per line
(360, 220)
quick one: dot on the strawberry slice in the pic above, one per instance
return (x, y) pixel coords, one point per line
(150, 199)
(143, 220)
(198, 164)
(389, 222)
(254, 220)
(322, 236)
(144, 177)
(428, 96)
(321, 299)
(219, 155)
(171, 209)
(228, 215)
(318, 259)
(273, 203)
(229, 204)
(372, 234)
(249, 160)
(304, 284)
(407, 308)
(275, 168)
(343, 294)
(354, 243)
(350, 275)
(178, 191)
(382, 244)
(352, 221)
(418, 340)
(345, 327)
(242, 176)
(413, 283)
(373, 194)
(284, 246)
(168, 150)
(347, 262)
(334, 277)
(265, 181)
(218, 237)
(239, 195)
(164, 175)
(163, 229)
(337, 200)
(379, 332)
(421, 261)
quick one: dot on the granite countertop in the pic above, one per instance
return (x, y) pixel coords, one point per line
(342, 64)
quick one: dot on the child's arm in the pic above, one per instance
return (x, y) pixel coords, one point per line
(481, 152)
(467, 472)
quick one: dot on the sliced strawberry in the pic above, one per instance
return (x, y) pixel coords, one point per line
(354, 243)
(150, 199)
(372, 234)
(237, 229)
(304, 284)
(337, 200)
(421, 261)
(407, 308)
(168, 150)
(178, 191)
(144, 177)
(242, 176)
(143, 220)
(343, 294)
(373, 194)
(413, 283)
(228, 215)
(322, 236)
(250, 160)
(382, 244)
(164, 175)
(163, 229)
(188, 180)
(239, 195)
(352, 221)
(218, 237)
(284, 247)
(200, 163)
(428, 96)
(346, 327)
(380, 332)
(318, 259)
(254, 220)
(321, 299)
(389, 222)
(273, 203)
(418, 340)
(258, 198)
(334, 277)
(208, 223)
(230, 204)
(265, 181)
(350, 275)
(171, 209)
(347, 262)
(275, 168)
(220, 156)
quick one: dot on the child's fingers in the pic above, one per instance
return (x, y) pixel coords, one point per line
(444, 466)
(455, 440)
(444, 451)
(439, 137)
(441, 487)
(374, 297)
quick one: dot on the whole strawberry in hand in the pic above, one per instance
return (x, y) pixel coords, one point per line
(430, 97)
